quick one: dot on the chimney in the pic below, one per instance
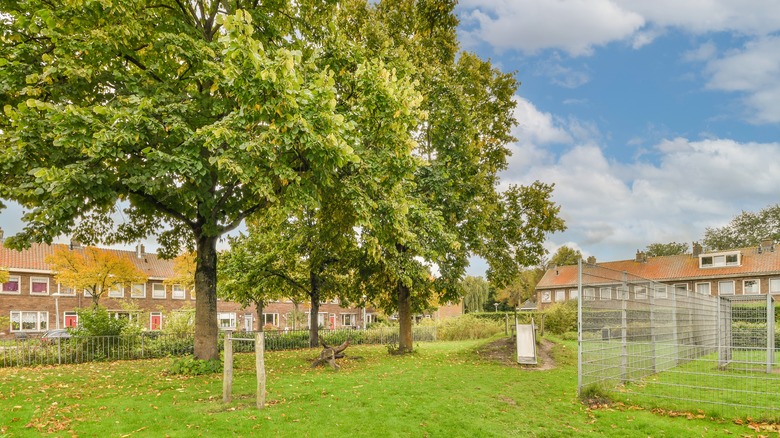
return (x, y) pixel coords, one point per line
(641, 257)
(697, 249)
(766, 245)
(591, 260)
(140, 251)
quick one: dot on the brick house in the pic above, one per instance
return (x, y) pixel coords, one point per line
(34, 302)
(742, 271)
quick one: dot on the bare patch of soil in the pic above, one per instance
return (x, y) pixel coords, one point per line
(505, 351)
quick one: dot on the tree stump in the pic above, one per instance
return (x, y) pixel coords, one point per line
(330, 354)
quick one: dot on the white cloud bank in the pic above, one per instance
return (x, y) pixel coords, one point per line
(614, 208)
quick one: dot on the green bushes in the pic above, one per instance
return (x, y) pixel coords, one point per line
(468, 327)
(561, 317)
(189, 366)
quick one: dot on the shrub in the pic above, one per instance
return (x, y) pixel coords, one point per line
(468, 327)
(95, 321)
(561, 317)
(189, 366)
(180, 322)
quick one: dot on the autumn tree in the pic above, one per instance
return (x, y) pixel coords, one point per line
(565, 256)
(666, 249)
(183, 270)
(190, 116)
(476, 292)
(4, 275)
(746, 229)
(522, 288)
(93, 270)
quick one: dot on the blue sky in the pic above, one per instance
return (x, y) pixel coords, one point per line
(654, 119)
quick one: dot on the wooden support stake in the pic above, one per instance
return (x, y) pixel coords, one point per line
(260, 365)
(227, 376)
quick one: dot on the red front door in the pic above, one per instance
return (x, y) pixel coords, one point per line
(156, 322)
(71, 321)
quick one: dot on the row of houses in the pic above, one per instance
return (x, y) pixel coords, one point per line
(742, 271)
(33, 301)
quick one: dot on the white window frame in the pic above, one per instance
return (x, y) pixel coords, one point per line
(709, 288)
(546, 296)
(774, 285)
(607, 289)
(640, 292)
(560, 295)
(40, 317)
(352, 317)
(589, 294)
(13, 279)
(573, 294)
(274, 319)
(661, 291)
(370, 318)
(757, 283)
(134, 287)
(719, 260)
(39, 280)
(155, 291)
(720, 287)
(322, 319)
(681, 287)
(66, 290)
(116, 291)
(131, 315)
(151, 316)
(177, 289)
(228, 316)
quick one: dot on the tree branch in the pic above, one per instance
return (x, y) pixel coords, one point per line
(164, 208)
(138, 64)
(241, 216)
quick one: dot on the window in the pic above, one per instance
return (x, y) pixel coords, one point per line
(138, 290)
(774, 285)
(621, 293)
(681, 289)
(29, 321)
(158, 291)
(605, 293)
(589, 294)
(271, 319)
(117, 291)
(660, 291)
(560, 295)
(177, 292)
(546, 296)
(88, 293)
(573, 294)
(66, 290)
(39, 286)
(718, 260)
(640, 292)
(227, 320)
(119, 314)
(370, 318)
(751, 287)
(703, 288)
(348, 319)
(12, 285)
(726, 287)
(321, 317)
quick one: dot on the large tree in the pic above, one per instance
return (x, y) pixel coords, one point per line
(746, 229)
(476, 292)
(666, 249)
(455, 210)
(188, 115)
(565, 256)
(93, 270)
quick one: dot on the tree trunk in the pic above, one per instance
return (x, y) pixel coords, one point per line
(206, 328)
(314, 326)
(259, 307)
(404, 319)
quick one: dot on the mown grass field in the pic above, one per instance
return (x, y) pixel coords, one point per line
(445, 389)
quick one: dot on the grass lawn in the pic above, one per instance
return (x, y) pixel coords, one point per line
(445, 389)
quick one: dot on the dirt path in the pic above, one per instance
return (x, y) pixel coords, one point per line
(505, 351)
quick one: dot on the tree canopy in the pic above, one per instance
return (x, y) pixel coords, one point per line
(188, 116)
(666, 249)
(476, 293)
(746, 229)
(565, 256)
(93, 270)
(522, 288)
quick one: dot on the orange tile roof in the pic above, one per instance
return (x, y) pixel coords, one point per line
(34, 258)
(671, 268)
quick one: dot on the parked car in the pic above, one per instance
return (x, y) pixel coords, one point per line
(51, 336)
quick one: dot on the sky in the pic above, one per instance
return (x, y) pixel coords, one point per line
(654, 119)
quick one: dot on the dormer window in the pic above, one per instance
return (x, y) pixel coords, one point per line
(719, 260)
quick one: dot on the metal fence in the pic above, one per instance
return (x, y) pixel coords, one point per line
(656, 345)
(37, 351)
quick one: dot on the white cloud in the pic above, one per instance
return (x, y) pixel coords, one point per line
(575, 26)
(754, 17)
(704, 52)
(754, 71)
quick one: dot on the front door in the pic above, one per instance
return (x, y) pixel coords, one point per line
(249, 325)
(156, 321)
(332, 321)
(71, 320)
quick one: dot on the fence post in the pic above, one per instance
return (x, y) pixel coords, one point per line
(260, 366)
(506, 324)
(227, 375)
(624, 332)
(770, 333)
